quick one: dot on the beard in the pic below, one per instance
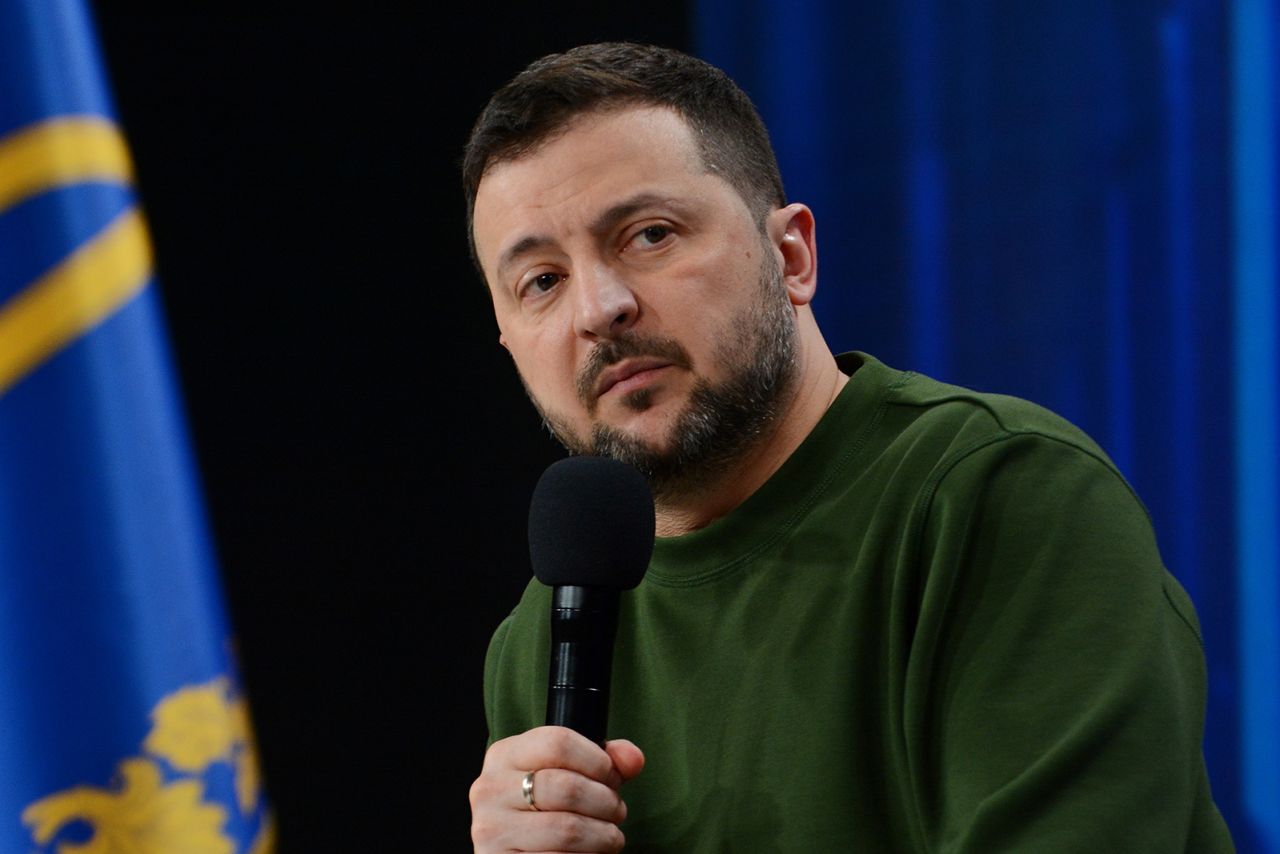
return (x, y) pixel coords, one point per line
(720, 421)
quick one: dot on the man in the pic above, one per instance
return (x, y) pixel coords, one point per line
(883, 613)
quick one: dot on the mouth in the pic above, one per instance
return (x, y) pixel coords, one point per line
(629, 375)
(627, 363)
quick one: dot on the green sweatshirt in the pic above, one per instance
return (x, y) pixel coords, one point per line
(942, 625)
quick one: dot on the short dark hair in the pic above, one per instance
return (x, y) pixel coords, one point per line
(541, 101)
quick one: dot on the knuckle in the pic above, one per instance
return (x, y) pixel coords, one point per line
(480, 790)
(559, 740)
(496, 753)
(572, 789)
(569, 829)
(482, 831)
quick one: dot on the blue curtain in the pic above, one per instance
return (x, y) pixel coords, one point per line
(1072, 203)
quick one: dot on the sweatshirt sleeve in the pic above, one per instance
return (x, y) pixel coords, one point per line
(1055, 689)
(492, 676)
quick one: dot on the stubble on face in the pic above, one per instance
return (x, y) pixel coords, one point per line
(721, 421)
(608, 353)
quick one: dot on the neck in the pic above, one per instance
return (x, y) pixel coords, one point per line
(817, 383)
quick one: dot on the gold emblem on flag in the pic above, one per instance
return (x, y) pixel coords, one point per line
(192, 729)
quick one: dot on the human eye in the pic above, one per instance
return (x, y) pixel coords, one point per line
(651, 236)
(540, 284)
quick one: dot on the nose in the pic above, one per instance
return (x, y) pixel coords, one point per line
(605, 305)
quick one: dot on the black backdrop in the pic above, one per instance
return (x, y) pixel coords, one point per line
(366, 450)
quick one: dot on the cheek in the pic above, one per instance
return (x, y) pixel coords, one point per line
(544, 360)
(698, 297)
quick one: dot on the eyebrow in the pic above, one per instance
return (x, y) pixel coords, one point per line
(603, 224)
(523, 246)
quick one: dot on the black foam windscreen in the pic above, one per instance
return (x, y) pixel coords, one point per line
(591, 524)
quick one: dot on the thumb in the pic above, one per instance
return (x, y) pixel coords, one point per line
(627, 758)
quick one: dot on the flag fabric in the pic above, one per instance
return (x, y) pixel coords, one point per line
(122, 725)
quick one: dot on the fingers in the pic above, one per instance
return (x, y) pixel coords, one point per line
(574, 785)
(558, 790)
(569, 815)
(557, 831)
(552, 747)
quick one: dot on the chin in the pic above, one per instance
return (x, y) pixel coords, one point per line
(652, 429)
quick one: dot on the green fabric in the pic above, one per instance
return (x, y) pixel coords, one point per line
(943, 625)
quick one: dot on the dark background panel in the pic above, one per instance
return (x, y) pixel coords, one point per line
(366, 449)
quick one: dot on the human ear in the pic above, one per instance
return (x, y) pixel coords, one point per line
(792, 232)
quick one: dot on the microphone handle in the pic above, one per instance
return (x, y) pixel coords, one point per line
(584, 622)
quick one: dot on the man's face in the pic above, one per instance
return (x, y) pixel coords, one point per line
(644, 309)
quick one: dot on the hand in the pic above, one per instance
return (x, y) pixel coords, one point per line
(575, 790)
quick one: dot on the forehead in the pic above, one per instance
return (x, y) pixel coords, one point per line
(618, 140)
(599, 158)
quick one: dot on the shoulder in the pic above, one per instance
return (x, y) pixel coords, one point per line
(1017, 505)
(935, 436)
(993, 485)
(973, 418)
(1004, 451)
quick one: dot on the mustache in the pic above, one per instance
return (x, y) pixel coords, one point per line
(629, 346)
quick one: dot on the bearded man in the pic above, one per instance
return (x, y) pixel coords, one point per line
(883, 613)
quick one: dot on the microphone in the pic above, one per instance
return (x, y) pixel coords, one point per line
(591, 530)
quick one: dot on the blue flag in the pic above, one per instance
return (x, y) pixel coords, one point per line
(122, 726)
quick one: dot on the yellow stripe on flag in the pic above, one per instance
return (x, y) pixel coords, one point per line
(74, 296)
(58, 152)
